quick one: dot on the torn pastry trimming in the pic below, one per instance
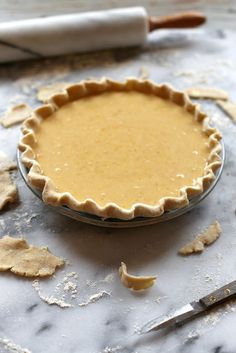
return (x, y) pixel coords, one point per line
(229, 108)
(16, 115)
(205, 238)
(23, 259)
(6, 164)
(8, 191)
(135, 282)
(207, 93)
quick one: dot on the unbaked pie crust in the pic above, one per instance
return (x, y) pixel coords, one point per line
(120, 150)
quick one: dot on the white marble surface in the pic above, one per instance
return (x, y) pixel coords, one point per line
(187, 58)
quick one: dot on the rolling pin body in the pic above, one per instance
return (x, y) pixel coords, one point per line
(75, 33)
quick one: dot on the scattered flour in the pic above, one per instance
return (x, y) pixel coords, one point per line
(2, 224)
(70, 287)
(50, 299)
(70, 275)
(143, 73)
(192, 336)
(209, 278)
(109, 278)
(213, 318)
(188, 73)
(158, 300)
(22, 219)
(91, 284)
(229, 307)
(67, 288)
(111, 349)
(12, 347)
(137, 330)
(95, 297)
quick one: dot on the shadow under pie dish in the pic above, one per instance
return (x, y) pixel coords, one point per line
(120, 150)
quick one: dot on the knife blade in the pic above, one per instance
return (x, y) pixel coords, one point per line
(189, 311)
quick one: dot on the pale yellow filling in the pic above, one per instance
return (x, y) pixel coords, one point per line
(121, 147)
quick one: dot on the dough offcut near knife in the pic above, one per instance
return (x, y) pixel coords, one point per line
(85, 32)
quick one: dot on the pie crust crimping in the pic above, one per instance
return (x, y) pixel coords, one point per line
(46, 92)
(76, 92)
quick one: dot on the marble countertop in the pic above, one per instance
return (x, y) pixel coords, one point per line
(28, 324)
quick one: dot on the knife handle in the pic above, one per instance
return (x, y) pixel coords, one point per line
(220, 295)
(179, 20)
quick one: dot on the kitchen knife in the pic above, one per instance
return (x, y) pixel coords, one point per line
(189, 311)
(85, 32)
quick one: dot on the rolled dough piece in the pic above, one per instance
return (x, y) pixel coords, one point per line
(135, 282)
(6, 164)
(16, 115)
(79, 32)
(26, 260)
(8, 191)
(229, 108)
(207, 93)
(45, 92)
(205, 238)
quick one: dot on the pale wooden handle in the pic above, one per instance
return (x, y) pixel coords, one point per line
(180, 20)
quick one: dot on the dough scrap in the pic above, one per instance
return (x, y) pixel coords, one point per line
(8, 191)
(205, 238)
(135, 282)
(16, 115)
(6, 164)
(45, 92)
(229, 108)
(26, 260)
(207, 93)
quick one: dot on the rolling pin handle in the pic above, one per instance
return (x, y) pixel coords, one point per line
(180, 20)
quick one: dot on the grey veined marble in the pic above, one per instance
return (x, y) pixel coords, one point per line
(111, 324)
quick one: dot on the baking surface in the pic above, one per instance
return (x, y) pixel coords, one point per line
(205, 56)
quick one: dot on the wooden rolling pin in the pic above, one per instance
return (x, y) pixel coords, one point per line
(85, 32)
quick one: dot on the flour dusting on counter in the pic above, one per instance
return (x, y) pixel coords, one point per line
(111, 349)
(11, 347)
(109, 278)
(95, 297)
(158, 300)
(50, 299)
(192, 336)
